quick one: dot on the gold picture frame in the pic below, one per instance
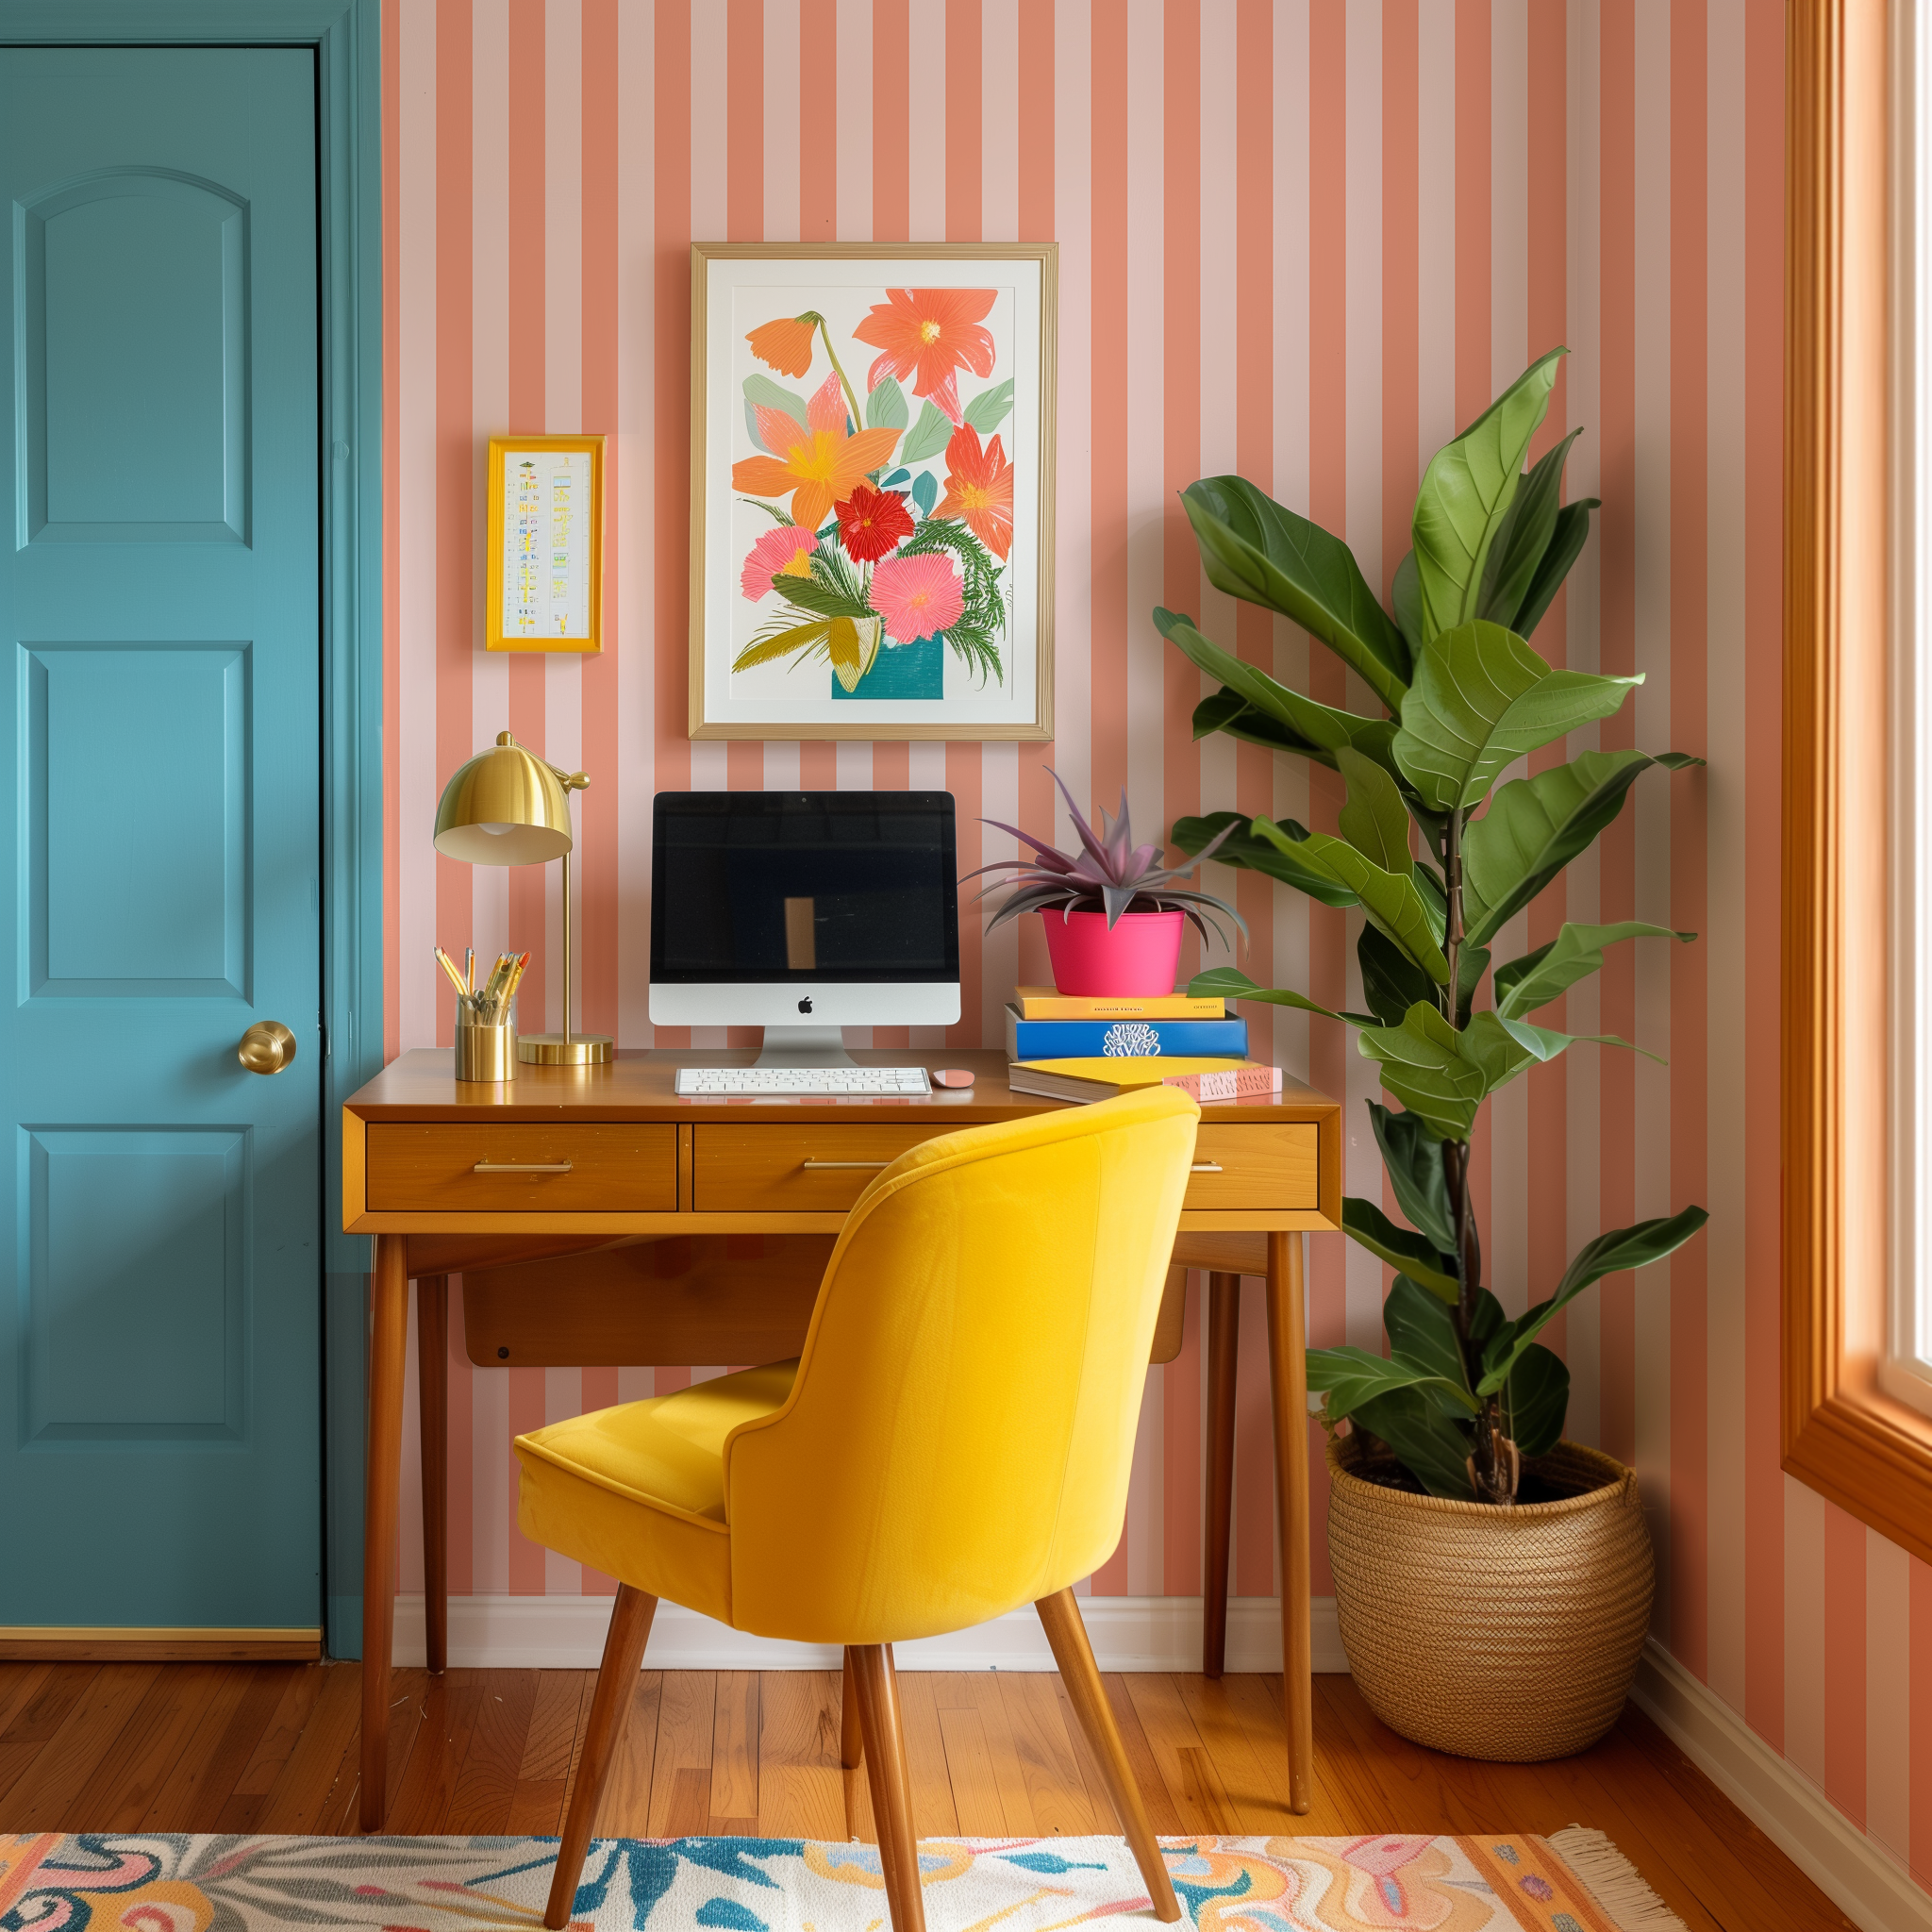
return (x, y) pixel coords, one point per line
(994, 679)
(573, 575)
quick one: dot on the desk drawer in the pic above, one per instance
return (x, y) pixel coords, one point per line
(610, 1166)
(1261, 1166)
(763, 1170)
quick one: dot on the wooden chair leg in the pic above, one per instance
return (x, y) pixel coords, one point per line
(1067, 1635)
(851, 1732)
(871, 1669)
(1224, 1349)
(617, 1684)
(432, 1377)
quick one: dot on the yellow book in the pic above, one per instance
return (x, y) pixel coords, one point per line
(1105, 1079)
(1043, 1003)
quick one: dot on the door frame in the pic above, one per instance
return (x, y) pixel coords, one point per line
(347, 36)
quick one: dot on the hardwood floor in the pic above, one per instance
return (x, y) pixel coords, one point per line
(272, 1748)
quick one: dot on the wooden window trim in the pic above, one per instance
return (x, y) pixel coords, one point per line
(1841, 1435)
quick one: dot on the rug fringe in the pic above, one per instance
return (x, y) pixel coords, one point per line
(1613, 1881)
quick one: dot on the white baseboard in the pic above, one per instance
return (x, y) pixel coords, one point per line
(1129, 1633)
(1853, 1870)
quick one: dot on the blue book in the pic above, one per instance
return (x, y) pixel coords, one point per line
(1074, 1040)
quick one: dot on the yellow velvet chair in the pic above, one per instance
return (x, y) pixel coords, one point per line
(954, 1441)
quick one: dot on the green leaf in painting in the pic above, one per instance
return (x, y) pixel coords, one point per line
(1535, 826)
(1609, 1254)
(1481, 698)
(1391, 899)
(822, 599)
(1401, 1247)
(989, 408)
(1565, 548)
(1523, 537)
(1247, 853)
(1254, 549)
(1348, 1375)
(1321, 727)
(926, 491)
(768, 395)
(1413, 1158)
(1374, 819)
(1538, 977)
(928, 435)
(1231, 983)
(1429, 1444)
(1535, 1400)
(1467, 491)
(1392, 981)
(769, 645)
(1424, 1066)
(886, 407)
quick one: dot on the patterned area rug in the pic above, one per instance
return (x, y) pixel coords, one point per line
(169, 1883)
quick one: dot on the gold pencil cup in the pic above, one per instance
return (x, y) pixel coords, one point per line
(487, 1052)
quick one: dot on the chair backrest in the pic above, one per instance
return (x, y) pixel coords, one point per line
(960, 1433)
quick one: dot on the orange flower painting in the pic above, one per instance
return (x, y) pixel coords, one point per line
(884, 544)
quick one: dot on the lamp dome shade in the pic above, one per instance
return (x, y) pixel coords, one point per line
(505, 807)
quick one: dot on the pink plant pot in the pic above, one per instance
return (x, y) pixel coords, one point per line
(1138, 957)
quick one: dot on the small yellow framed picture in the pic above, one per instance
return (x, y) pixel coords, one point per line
(544, 588)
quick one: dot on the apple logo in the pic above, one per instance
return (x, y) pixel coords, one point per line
(805, 1005)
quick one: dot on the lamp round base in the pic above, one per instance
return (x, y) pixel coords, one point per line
(565, 1050)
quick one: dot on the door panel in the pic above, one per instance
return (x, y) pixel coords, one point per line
(159, 848)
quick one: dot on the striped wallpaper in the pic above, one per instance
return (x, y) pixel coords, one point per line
(1301, 239)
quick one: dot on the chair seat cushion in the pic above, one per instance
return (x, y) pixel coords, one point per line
(637, 1491)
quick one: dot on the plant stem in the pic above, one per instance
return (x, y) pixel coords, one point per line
(1452, 918)
(839, 368)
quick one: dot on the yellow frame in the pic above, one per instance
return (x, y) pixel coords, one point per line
(494, 638)
(1047, 255)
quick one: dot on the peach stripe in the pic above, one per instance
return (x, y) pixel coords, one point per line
(526, 1566)
(891, 109)
(964, 35)
(1689, 1126)
(818, 116)
(1181, 1413)
(462, 1423)
(1919, 1694)
(1472, 116)
(1843, 1661)
(1107, 372)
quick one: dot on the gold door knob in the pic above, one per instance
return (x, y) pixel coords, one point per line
(267, 1047)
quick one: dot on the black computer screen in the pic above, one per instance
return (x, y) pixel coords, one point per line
(761, 886)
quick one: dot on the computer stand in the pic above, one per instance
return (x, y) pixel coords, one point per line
(805, 1046)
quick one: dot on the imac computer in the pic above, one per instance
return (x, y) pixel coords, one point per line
(804, 912)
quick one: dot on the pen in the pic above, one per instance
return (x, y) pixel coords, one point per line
(455, 979)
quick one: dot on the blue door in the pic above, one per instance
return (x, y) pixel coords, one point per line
(160, 841)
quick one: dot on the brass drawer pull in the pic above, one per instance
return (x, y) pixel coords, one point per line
(820, 1165)
(521, 1167)
(1206, 1167)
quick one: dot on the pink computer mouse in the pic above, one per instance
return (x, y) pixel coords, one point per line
(952, 1076)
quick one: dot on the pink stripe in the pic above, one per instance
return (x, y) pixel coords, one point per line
(462, 1518)
(1107, 372)
(1844, 1663)
(1180, 1501)
(1473, 372)
(745, 147)
(525, 1414)
(1919, 1692)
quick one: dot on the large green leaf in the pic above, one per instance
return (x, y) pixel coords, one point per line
(1388, 898)
(1414, 1158)
(1424, 1066)
(928, 435)
(1523, 537)
(1472, 962)
(1392, 981)
(1428, 1443)
(1565, 548)
(1231, 983)
(1577, 951)
(988, 409)
(1608, 1254)
(1403, 1249)
(1374, 819)
(1348, 1375)
(1405, 603)
(1535, 1400)
(1467, 491)
(1321, 727)
(1247, 853)
(1254, 549)
(886, 407)
(1535, 826)
(1481, 698)
(1422, 1331)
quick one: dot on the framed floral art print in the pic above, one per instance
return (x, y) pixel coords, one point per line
(872, 490)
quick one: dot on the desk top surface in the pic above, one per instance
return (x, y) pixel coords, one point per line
(422, 1086)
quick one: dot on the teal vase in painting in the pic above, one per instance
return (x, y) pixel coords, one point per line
(917, 670)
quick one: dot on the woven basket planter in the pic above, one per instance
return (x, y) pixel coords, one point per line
(1507, 1634)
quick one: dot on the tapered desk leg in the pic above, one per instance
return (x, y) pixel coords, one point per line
(388, 1345)
(432, 1372)
(1224, 1346)
(1287, 1380)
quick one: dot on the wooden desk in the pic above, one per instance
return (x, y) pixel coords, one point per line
(592, 1162)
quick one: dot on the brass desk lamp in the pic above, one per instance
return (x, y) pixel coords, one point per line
(507, 806)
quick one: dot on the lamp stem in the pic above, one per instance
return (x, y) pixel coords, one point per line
(566, 949)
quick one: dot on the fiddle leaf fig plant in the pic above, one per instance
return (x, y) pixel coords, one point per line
(1439, 856)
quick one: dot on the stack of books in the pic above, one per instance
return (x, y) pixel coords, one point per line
(1070, 1046)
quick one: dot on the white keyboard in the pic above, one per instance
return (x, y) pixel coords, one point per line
(803, 1083)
